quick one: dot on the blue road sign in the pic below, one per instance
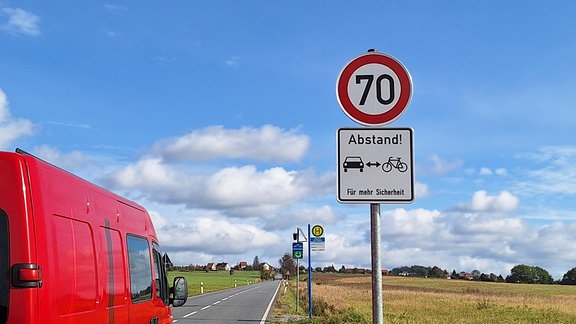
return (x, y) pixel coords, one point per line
(298, 246)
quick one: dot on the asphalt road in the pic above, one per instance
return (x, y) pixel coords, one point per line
(246, 304)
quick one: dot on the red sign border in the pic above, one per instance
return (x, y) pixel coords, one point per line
(367, 119)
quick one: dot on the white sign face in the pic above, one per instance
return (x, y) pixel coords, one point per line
(375, 165)
(374, 88)
(317, 243)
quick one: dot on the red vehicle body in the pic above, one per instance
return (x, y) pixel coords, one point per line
(73, 252)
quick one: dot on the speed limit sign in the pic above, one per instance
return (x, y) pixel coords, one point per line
(374, 89)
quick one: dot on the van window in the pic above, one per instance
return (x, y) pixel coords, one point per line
(140, 268)
(4, 267)
(162, 290)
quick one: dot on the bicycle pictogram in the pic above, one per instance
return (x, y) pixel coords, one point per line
(395, 163)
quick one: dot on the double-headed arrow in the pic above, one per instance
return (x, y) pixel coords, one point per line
(371, 164)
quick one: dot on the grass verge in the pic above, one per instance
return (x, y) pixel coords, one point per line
(214, 280)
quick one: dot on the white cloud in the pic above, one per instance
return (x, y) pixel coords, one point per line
(555, 173)
(11, 128)
(501, 172)
(421, 190)
(481, 201)
(297, 216)
(73, 124)
(413, 223)
(241, 191)
(267, 143)
(441, 166)
(485, 171)
(114, 8)
(215, 236)
(232, 61)
(148, 173)
(20, 22)
(69, 161)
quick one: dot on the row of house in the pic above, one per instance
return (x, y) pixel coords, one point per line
(362, 271)
(224, 266)
(461, 275)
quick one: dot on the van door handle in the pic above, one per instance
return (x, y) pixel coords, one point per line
(154, 320)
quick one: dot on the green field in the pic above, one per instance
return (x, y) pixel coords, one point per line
(347, 299)
(214, 280)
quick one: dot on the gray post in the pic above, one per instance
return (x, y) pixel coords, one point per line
(377, 305)
(297, 285)
(309, 275)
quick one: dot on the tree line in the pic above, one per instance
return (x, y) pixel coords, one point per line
(520, 273)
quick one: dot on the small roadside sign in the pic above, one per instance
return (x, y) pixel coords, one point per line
(297, 250)
(317, 240)
(317, 243)
(375, 165)
(317, 230)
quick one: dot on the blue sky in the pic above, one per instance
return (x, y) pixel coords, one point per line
(220, 117)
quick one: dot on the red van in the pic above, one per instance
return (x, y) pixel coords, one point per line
(73, 252)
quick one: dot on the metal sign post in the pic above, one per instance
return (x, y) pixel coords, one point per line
(377, 304)
(297, 286)
(297, 248)
(309, 276)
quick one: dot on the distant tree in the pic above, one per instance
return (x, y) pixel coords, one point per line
(266, 274)
(330, 269)
(569, 277)
(256, 263)
(415, 270)
(318, 269)
(529, 274)
(403, 269)
(343, 269)
(476, 274)
(287, 264)
(493, 277)
(542, 276)
(436, 272)
(421, 271)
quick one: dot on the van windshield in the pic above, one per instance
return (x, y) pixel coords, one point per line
(4, 267)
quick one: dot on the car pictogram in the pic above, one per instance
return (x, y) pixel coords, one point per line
(353, 162)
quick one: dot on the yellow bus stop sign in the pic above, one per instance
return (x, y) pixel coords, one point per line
(317, 230)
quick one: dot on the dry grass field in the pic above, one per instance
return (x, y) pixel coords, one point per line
(337, 298)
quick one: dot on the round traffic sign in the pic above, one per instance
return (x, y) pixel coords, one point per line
(317, 230)
(374, 89)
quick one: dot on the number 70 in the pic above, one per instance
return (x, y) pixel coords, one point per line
(370, 79)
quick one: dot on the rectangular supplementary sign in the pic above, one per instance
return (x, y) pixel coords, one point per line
(375, 165)
(299, 246)
(317, 243)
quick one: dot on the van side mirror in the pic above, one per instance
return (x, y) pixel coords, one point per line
(179, 292)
